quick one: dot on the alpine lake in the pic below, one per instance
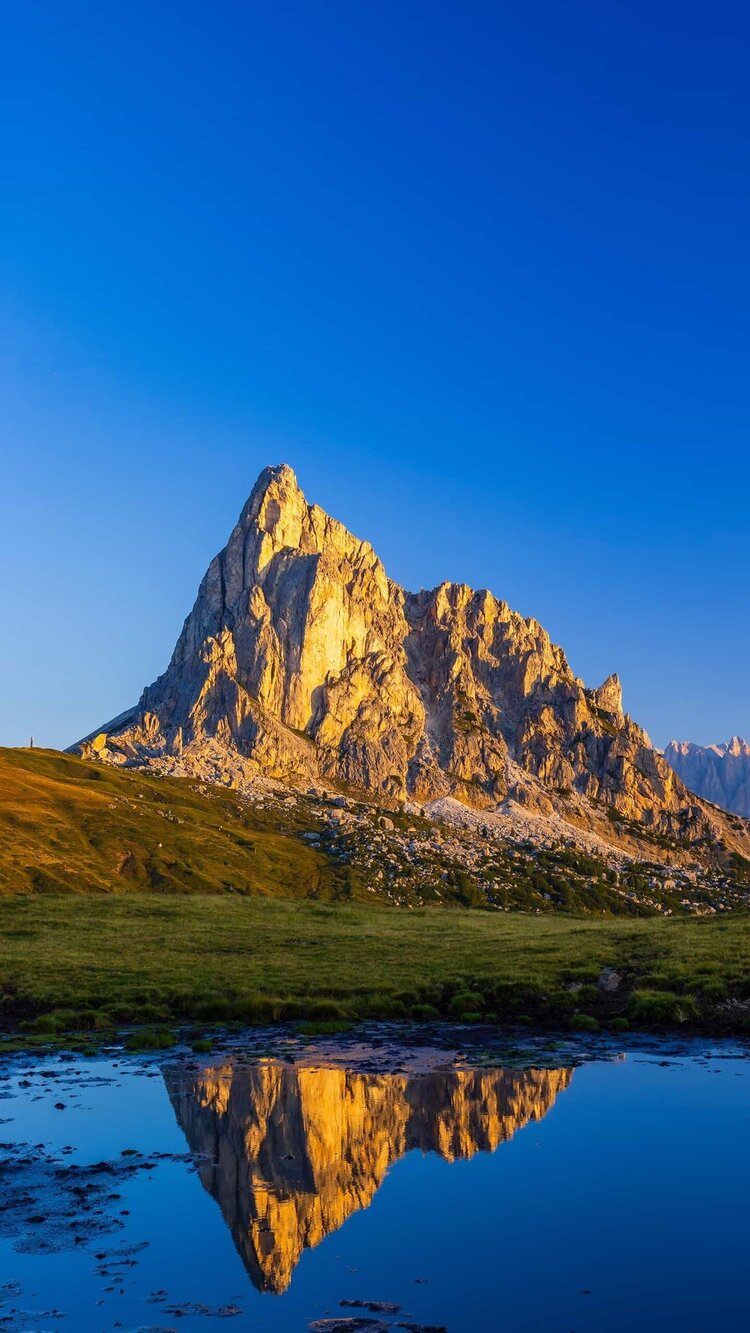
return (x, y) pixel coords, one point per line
(388, 1179)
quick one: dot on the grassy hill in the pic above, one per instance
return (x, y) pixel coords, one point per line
(73, 826)
(67, 826)
(128, 898)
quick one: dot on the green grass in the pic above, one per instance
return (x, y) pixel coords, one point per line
(67, 826)
(151, 1039)
(128, 899)
(98, 963)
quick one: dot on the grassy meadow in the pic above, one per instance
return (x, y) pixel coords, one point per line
(100, 963)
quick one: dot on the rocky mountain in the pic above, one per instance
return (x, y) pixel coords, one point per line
(290, 1153)
(718, 773)
(302, 661)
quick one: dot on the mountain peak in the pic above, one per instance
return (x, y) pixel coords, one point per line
(302, 661)
(276, 487)
(718, 773)
(277, 476)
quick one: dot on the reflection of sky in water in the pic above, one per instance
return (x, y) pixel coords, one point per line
(631, 1186)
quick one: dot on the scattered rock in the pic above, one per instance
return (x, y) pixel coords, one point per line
(375, 1307)
(349, 1324)
(609, 980)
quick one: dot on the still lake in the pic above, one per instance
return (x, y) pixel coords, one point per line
(460, 1182)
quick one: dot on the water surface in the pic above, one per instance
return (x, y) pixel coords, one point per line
(484, 1188)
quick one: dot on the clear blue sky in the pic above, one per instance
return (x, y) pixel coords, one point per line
(479, 272)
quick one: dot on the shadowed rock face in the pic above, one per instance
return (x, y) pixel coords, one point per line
(302, 660)
(718, 773)
(292, 1153)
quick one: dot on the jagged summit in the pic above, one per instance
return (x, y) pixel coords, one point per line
(301, 660)
(718, 773)
(281, 474)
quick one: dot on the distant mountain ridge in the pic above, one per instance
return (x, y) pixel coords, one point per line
(718, 773)
(302, 661)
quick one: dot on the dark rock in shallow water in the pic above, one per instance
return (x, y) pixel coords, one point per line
(197, 1308)
(349, 1324)
(375, 1307)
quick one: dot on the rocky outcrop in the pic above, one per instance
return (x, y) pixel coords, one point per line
(290, 1153)
(608, 697)
(718, 773)
(301, 660)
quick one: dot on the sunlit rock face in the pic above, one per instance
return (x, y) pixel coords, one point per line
(301, 660)
(291, 1153)
(718, 773)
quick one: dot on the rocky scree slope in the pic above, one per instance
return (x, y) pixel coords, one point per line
(302, 661)
(69, 826)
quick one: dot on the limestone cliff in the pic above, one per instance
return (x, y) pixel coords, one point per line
(290, 1153)
(718, 773)
(301, 660)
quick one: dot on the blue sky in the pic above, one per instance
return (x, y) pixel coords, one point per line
(478, 272)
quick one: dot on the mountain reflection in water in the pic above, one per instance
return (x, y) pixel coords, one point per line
(291, 1153)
